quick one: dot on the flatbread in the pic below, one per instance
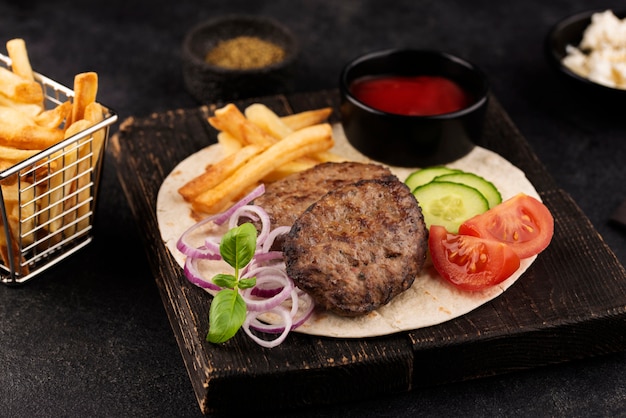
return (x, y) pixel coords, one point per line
(430, 300)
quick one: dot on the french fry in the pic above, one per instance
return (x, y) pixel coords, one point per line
(274, 125)
(77, 127)
(14, 259)
(85, 92)
(19, 131)
(229, 143)
(63, 181)
(230, 119)
(29, 109)
(15, 155)
(218, 172)
(53, 118)
(18, 205)
(34, 137)
(94, 113)
(4, 164)
(299, 144)
(307, 118)
(21, 208)
(327, 156)
(16, 88)
(11, 192)
(26, 228)
(267, 120)
(289, 168)
(20, 63)
(75, 164)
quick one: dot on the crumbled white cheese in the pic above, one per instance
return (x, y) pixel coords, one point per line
(601, 55)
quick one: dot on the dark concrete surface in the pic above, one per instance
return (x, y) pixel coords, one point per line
(90, 337)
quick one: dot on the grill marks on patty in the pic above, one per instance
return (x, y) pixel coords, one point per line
(286, 199)
(358, 246)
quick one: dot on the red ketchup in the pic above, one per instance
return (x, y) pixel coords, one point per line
(422, 95)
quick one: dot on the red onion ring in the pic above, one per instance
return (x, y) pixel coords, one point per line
(280, 310)
(194, 276)
(290, 322)
(256, 192)
(272, 235)
(187, 248)
(243, 211)
(279, 279)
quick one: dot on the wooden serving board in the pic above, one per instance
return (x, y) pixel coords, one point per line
(570, 304)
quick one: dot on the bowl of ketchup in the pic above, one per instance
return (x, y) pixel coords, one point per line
(412, 108)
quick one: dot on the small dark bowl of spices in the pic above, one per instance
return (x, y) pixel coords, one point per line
(238, 56)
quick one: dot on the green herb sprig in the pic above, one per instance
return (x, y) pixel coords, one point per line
(228, 309)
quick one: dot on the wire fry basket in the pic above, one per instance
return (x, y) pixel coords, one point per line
(48, 200)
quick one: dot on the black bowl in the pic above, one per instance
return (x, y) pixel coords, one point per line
(211, 83)
(569, 31)
(413, 141)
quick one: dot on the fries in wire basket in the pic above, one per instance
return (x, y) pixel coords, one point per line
(50, 146)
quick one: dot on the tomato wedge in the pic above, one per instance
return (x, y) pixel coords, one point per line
(470, 263)
(522, 222)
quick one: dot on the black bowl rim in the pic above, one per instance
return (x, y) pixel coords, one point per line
(290, 40)
(482, 95)
(555, 54)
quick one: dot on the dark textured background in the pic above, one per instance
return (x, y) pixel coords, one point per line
(90, 337)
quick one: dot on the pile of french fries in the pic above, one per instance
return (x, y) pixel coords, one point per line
(259, 147)
(37, 204)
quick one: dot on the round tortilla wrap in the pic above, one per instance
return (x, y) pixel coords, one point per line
(430, 300)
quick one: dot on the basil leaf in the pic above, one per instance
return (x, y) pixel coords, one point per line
(225, 280)
(247, 283)
(228, 309)
(238, 245)
(227, 313)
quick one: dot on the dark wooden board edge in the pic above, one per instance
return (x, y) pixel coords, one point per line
(534, 323)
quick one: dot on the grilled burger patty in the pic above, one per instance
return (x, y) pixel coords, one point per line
(358, 246)
(286, 199)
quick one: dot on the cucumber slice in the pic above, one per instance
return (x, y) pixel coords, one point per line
(426, 175)
(484, 186)
(449, 204)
